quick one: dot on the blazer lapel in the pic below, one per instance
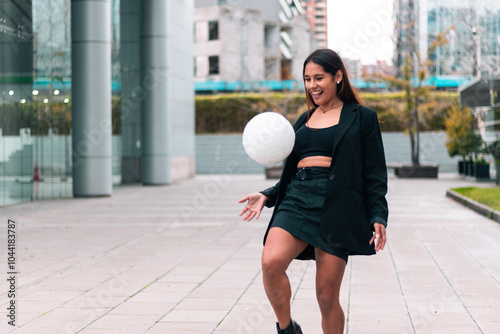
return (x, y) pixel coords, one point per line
(300, 121)
(347, 116)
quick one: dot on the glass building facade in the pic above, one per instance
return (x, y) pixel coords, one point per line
(473, 34)
(36, 159)
(35, 80)
(471, 30)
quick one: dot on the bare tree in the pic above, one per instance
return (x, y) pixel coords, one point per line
(414, 71)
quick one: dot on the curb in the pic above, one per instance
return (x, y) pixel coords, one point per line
(471, 204)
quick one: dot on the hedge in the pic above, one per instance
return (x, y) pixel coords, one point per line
(228, 113)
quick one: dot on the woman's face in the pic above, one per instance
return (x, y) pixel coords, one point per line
(321, 85)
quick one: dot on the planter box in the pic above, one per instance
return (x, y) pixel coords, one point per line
(469, 168)
(482, 171)
(417, 171)
(461, 167)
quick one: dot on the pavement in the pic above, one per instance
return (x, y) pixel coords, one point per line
(178, 259)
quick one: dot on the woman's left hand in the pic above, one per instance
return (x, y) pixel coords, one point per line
(379, 236)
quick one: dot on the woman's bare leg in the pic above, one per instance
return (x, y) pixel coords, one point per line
(280, 249)
(329, 272)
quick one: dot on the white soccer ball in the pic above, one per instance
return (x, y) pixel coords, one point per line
(268, 138)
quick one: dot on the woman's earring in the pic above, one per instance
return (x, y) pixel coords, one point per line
(338, 82)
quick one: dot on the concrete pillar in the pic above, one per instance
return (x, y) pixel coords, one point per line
(155, 120)
(132, 90)
(91, 97)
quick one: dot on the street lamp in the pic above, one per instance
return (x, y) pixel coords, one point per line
(476, 37)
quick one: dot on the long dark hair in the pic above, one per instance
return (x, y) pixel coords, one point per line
(331, 63)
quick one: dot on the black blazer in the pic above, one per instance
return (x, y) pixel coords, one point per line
(355, 195)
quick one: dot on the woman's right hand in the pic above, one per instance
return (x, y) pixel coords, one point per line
(254, 206)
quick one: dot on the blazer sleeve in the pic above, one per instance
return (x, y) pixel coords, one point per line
(272, 194)
(374, 169)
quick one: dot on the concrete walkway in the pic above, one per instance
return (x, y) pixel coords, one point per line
(178, 259)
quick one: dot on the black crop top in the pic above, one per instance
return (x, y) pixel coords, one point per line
(313, 142)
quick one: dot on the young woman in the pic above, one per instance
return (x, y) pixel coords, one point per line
(330, 200)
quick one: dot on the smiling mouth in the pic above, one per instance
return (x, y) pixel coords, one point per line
(316, 94)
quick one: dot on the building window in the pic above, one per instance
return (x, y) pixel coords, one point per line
(270, 35)
(213, 30)
(213, 65)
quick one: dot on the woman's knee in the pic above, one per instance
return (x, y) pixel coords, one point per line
(280, 250)
(328, 298)
(273, 263)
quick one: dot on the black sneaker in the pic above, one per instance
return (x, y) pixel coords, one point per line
(293, 328)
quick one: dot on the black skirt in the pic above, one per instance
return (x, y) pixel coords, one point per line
(299, 213)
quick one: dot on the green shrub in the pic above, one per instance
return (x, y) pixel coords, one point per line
(229, 113)
(494, 150)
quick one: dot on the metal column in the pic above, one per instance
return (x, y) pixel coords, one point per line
(91, 97)
(154, 46)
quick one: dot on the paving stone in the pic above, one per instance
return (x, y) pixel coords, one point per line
(143, 308)
(182, 327)
(156, 260)
(138, 323)
(188, 316)
(206, 304)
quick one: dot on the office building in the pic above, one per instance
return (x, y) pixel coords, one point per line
(91, 96)
(469, 56)
(250, 45)
(317, 13)
(471, 31)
